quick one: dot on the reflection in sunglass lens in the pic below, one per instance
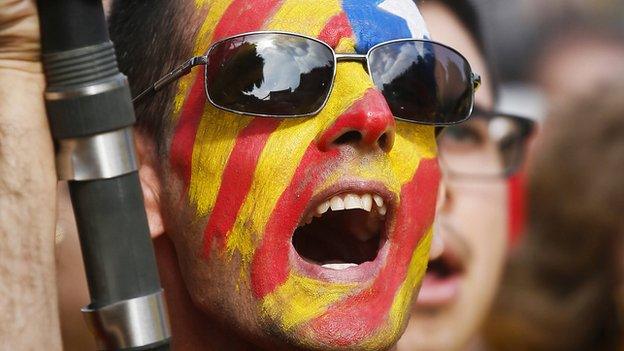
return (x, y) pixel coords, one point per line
(423, 82)
(270, 74)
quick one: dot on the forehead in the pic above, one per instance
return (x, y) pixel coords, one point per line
(364, 22)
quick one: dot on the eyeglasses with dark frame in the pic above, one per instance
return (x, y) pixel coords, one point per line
(287, 75)
(490, 146)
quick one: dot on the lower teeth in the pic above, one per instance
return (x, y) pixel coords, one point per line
(339, 266)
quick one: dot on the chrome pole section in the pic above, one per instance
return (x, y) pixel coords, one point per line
(91, 117)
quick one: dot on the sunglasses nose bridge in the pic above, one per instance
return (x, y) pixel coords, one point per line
(350, 57)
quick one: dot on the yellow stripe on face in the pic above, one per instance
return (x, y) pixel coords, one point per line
(204, 38)
(213, 145)
(403, 298)
(307, 17)
(201, 3)
(287, 145)
(281, 157)
(345, 45)
(301, 299)
(214, 142)
(213, 17)
(412, 143)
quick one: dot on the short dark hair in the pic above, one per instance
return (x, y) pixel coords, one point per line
(151, 39)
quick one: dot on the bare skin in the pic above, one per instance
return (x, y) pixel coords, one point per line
(29, 318)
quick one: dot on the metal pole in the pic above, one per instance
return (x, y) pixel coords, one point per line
(91, 116)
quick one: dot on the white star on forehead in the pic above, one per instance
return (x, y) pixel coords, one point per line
(407, 10)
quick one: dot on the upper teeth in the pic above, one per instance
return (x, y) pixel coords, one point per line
(378, 200)
(352, 201)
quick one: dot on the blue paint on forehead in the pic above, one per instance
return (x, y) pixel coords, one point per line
(373, 25)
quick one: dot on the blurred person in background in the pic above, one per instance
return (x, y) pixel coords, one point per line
(563, 289)
(578, 60)
(477, 159)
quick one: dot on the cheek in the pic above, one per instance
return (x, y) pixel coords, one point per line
(483, 212)
(413, 143)
(208, 163)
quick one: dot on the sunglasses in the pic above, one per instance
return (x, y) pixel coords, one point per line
(286, 75)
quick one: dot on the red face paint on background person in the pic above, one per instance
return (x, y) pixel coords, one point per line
(244, 189)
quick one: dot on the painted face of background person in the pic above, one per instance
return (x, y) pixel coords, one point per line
(472, 222)
(240, 191)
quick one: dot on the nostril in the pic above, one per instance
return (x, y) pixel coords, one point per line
(384, 142)
(351, 137)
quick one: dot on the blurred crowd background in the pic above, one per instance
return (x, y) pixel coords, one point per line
(520, 30)
(555, 46)
(561, 63)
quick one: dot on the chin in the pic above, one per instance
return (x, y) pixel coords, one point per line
(337, 268)
(308, 339)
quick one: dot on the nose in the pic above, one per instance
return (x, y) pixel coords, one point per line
(367, 124)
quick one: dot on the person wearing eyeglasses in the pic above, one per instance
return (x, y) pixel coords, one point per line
(478, 159)
(562, 288)
(288, 163)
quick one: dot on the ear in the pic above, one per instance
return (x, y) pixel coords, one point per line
(150, 182)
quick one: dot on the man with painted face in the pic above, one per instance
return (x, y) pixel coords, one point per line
(290, 181)
(478, 159)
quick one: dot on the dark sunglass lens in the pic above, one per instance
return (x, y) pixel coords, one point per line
(423, 82)
(270, 74)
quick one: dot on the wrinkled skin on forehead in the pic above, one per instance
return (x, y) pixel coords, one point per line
(242, 185)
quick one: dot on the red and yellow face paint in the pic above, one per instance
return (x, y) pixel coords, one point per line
(252, 179)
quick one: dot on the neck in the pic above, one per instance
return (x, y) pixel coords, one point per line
(191, 329)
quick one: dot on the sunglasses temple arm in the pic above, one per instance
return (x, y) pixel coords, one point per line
(172, 76)
(476, 81)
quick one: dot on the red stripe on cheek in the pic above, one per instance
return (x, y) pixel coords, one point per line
(184, 136)
(244, 16)
(337, 28)
(237, 178)
(359, 317)
(270, 265)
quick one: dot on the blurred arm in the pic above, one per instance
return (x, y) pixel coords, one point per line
(28, 299)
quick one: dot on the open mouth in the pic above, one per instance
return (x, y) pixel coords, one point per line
(441, 283)
(344, 232)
